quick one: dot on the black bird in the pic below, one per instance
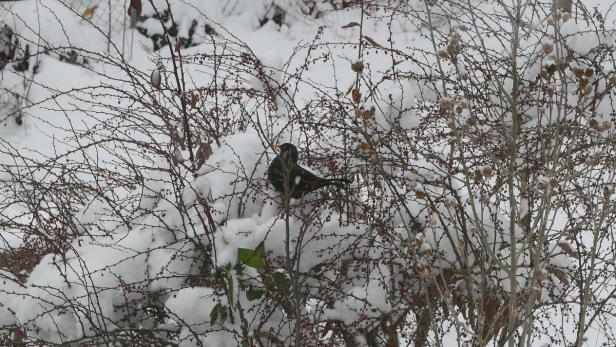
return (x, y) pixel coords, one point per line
(299, 181)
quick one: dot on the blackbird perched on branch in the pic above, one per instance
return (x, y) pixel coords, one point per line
(299, 181)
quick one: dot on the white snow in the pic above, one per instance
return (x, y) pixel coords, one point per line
(171, 236)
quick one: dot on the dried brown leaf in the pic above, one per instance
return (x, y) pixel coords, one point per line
(566, 247)
(369, 113)
(89, 12)
(369, 39)
(560, 275)
(203, 154)
(178, 45)
(350, 25)
(357, 66)
(356, 95)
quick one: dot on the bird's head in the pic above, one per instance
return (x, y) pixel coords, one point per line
(287, 151)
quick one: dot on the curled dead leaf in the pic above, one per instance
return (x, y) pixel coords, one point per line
(357, 66)
(89, 12)
(562, 277)
(371, 41)
(365, 146)
(203, 154)
(356, 95)
(350, 25)
(566, 247)
(589, 72)
(369, 113)
(178, 45)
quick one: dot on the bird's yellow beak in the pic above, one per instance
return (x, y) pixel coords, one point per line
(277, 147)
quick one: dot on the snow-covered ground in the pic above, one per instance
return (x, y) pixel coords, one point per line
(136, 236)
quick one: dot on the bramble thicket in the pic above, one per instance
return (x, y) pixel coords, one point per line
(135, 208)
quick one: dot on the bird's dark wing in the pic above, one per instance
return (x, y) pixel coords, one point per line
(300, 181)
(305, 181)
(275, 174)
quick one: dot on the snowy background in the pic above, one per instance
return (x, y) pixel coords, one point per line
(134, 203)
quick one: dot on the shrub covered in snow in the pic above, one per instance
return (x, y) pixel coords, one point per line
(135, 207)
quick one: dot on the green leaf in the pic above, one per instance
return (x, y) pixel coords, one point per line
(244, 326)
(223, 314)
(214, 313)
(230, 288)
(252, 257)
(281, 281)
(254, 294)
(218, 313)
(267, 281)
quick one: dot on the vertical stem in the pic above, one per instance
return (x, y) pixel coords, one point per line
(291, 260)
(181, 86)
(587, 283)
(511, 325)
(109, 28)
